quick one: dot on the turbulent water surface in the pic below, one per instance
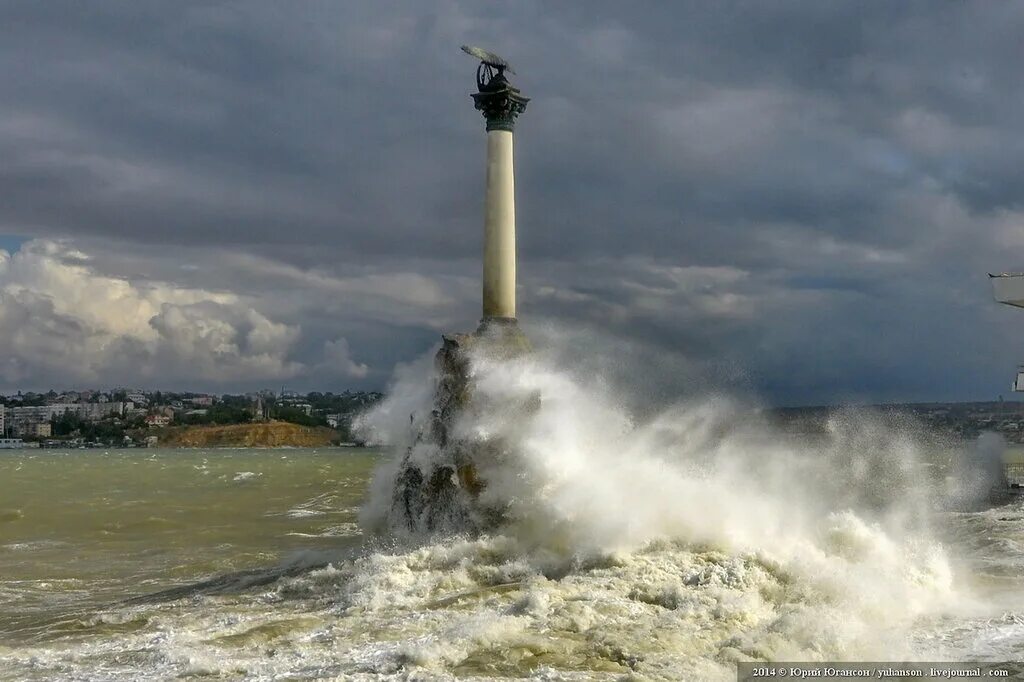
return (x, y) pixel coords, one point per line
(667, 547)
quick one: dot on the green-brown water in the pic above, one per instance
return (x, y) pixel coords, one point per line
(293, 591)
(83, 529)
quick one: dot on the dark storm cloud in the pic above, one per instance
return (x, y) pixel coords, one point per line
(810, 191)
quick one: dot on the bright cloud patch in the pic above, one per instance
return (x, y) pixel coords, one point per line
(338, 357)
(62, 320)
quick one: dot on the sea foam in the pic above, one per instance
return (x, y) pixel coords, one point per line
(700, 524)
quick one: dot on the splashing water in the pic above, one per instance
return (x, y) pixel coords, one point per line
(734, 540)
(659, 544)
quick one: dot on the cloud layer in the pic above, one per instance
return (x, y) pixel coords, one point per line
(806, 194)
(64, 322)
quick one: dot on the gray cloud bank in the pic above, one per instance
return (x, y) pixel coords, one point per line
(804, 195)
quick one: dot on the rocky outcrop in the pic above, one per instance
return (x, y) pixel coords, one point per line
(438, 485)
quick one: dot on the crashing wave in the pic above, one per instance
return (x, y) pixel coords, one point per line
(771, 546)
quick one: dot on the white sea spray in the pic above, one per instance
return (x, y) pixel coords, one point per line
(714, 536)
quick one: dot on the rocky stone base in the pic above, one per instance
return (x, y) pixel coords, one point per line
(442, 493)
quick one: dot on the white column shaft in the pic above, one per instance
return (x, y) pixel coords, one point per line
(500, 228)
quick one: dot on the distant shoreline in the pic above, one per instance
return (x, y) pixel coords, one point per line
(34, 446)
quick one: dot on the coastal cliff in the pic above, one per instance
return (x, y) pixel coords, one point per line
(272, 434)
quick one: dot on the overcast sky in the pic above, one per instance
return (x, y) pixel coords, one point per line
(801, 198)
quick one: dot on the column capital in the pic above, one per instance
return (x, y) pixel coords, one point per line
(500, 102)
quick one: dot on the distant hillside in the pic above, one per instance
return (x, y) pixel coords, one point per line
(260, 435)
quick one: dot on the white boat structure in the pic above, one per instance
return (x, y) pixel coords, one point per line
(1008, 289)
(1011, 488)
(15, 444)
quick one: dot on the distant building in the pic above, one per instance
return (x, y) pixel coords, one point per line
(3, 425)
(22, 421)
(41, 430)
(202, 400)
(157, 420)
(97, 411)
(260, 410)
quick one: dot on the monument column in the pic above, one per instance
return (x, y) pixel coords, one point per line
(500, 104)
(500, 228)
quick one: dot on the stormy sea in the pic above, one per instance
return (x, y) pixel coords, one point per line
(636, 541)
